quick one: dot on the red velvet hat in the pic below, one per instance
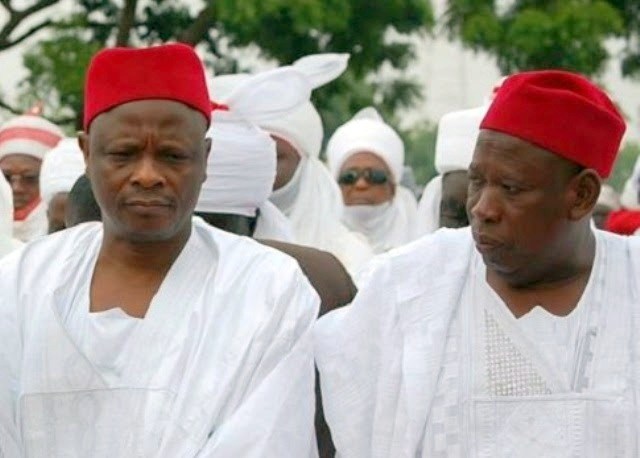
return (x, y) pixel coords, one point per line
(121, 75)
(561, 112)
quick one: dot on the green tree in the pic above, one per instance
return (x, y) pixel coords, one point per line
(533, 34)
(373, 32)
(624, 165)
(420, 148)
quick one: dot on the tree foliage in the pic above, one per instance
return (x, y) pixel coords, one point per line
(373, 32)
(534, 34)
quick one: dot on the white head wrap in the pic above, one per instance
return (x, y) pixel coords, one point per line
(366, 131)
(242, 163)
(629, 197)
(390, 224)
(457, 136)
(28, 134)
(302, 128)
(61, 167)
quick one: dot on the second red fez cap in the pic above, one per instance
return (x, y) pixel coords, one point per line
(120, 75)
(561, 112)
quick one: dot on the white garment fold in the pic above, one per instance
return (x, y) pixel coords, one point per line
(35, 225)
(313, 203)
(273, 225)
(386, 226)
(221, 365)
(7, 242)
(428, 218)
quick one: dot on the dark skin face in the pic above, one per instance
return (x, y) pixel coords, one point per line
(362, 192)
(529, 211)
(56, 211)
(288, 161)
(453, 211)
(23, 174)
(146, 161)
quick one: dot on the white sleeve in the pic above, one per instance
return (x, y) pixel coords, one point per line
(352, 346)
(10, 350)
(276, 419)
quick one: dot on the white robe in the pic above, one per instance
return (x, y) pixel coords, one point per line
(313, 203)
(401, 368)
(220, 366)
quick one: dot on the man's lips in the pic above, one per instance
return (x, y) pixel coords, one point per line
(147, 203)
(484, 243)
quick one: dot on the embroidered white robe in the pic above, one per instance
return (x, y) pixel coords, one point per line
(424, 363)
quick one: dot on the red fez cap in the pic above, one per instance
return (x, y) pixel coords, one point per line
(561, 112)
(121, 75)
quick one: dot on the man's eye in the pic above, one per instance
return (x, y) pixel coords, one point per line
(510, 188)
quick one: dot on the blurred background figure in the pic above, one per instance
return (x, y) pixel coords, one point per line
(626, 220)
(366, 157)
(304, 189)
(7, 242)
(61, 167)
(608, 201)
(24, 142)
(443, 202)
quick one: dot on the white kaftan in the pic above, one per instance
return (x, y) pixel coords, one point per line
(429, 362)
(221, 365)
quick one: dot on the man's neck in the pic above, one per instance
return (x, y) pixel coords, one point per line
(558, 288)
(143, 255)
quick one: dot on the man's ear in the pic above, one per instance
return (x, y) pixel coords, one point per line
(207, 151)
(83, 143)
(584, 189)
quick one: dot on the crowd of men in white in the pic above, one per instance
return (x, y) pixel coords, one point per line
(171, 278)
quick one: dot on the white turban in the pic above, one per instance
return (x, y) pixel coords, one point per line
(457, 135)
(61, 167)
(366, 131)
(242, 163)
(302, 128)
(629, 197)
(28, 134)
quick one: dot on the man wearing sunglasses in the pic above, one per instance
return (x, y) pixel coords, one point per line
(367, 157)
(518, 336)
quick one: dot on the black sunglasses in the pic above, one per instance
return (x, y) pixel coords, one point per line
(372, 176)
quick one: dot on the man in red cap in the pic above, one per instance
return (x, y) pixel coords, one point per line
(518, 336)
(153, 334)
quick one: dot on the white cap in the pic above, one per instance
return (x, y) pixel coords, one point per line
(457, 135)
(366, 131)
(61, 167)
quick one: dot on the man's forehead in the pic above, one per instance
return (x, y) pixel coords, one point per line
(510, 150)
(165, 113)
